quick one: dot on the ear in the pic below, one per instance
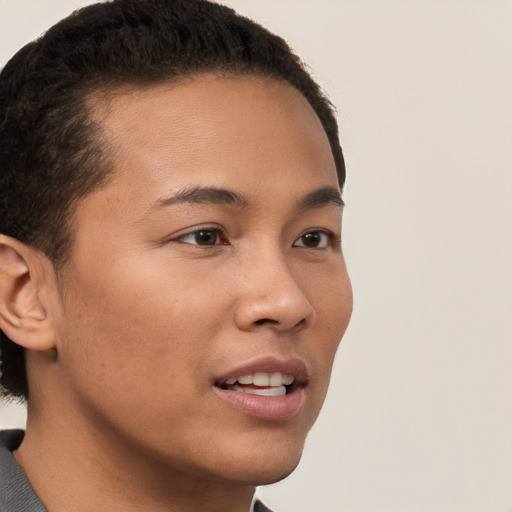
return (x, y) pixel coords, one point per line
(23, 316)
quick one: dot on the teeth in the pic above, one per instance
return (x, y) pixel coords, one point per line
(262, 379)
(276, 391)
(245, 379)
(288, 379)
(276, 379)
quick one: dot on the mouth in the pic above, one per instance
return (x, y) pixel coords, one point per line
(260, 384)
(266, 389)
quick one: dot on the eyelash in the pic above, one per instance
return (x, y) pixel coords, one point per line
(327, 238)
(219, 234)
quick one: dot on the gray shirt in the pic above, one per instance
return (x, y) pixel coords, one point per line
(16, 493)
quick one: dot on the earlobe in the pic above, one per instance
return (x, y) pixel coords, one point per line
(23, 316)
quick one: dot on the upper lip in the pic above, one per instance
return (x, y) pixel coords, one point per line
(294, 367)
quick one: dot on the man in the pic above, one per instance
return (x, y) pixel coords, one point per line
(172, 286)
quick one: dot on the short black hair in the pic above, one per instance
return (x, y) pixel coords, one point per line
(50, 147)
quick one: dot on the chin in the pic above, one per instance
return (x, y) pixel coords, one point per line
(263, 466)
(265, 474)
(274, 474)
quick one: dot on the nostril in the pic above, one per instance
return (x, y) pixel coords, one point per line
(271, 322)
(262, 321)
(301, 324)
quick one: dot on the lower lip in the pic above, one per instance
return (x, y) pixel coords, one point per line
(274, 408)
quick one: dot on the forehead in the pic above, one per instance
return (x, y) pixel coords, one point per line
(256, 136)
(216, 124)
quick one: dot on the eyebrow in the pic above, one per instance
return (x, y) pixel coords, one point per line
(211, 195)
(206, 195)
(319, 198)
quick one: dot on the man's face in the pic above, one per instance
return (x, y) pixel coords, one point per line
(213, 253)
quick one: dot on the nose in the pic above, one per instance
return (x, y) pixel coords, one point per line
(271, 297)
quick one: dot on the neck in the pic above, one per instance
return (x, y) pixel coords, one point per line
(74, 467)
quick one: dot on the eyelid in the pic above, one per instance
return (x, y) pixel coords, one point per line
(332, 239)
(221, 232)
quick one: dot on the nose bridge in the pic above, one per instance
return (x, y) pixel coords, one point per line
(271, 294)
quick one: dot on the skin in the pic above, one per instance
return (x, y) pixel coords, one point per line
(129, 338)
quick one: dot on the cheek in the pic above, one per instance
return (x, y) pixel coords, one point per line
(330, 294)
(331, 297)
(135, 327)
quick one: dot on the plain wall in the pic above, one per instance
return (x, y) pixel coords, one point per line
(419, 414)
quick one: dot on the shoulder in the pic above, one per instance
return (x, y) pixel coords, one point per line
(259, 507)
(16, 493)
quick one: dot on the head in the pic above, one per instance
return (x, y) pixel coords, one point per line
(131, 113)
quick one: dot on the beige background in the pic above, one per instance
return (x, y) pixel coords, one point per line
(419, 416)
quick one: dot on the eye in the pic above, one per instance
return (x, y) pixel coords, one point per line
(314, 240)
(203, 237)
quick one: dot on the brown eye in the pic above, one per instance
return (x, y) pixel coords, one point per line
(206, 237)
(203, 237)
(313, 240)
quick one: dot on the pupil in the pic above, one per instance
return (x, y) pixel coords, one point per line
(311, 239)
(206, 237)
